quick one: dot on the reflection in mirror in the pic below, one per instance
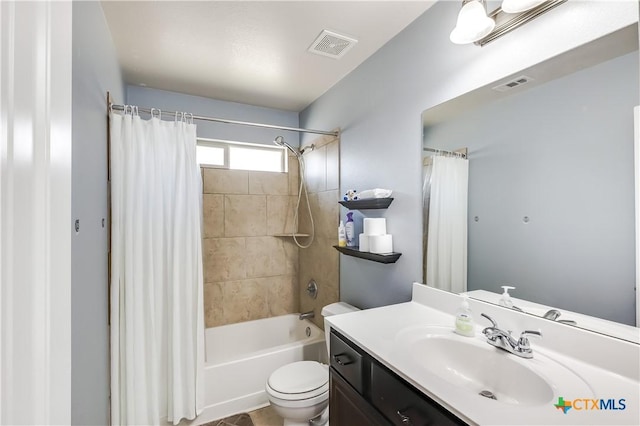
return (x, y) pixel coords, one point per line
(551, 184)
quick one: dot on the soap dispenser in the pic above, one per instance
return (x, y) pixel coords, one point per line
(464, 319)
(505, 298)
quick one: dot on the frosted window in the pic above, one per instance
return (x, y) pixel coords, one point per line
(267, 160)
(210, 155)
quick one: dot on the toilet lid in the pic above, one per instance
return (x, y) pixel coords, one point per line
(299, 377)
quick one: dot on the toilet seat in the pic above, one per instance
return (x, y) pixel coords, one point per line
(300, 380)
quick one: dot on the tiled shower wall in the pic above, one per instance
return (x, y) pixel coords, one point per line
(321, 261)
(248, 272)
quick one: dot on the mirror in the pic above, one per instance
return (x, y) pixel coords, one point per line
(551, 191)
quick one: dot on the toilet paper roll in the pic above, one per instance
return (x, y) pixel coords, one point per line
(363, 242)
(374, 226)
(381, 243)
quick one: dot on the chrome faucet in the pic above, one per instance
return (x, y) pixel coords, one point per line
(554, 314)
(306, 315)
(504, 340)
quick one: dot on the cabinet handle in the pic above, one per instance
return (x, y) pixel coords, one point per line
(406, 420)
(337, 359)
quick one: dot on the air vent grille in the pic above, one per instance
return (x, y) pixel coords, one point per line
(332, 44)
(512, 84)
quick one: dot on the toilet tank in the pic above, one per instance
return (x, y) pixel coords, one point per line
(335, 309)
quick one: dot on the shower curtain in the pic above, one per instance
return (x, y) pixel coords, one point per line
(157, 324)
(446, 189)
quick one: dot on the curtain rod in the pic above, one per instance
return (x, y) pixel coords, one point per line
(226, 121)
(444, 151)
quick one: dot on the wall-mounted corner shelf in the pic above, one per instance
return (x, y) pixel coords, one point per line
(368, 204)
(291, 235)
(380, 258)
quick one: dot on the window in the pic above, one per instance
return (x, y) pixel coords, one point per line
(241, 156)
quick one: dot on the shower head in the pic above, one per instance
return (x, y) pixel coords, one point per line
(279, 140)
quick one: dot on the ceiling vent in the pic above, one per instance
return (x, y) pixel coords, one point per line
(516, 82)
(332, 44)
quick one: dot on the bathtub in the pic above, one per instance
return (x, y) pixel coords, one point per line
(240, 357)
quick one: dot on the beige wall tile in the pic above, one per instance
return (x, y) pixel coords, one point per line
(270, 183)
(244, 300)
(265, 257)
(256, 276)
(224, 259)
(320, 262)
(316, 169)
(213, 303)
(222, 181)
(294, 175)
(245, 215)
(304, 223)
(292, 255)
(326, 215)
(333, 166)
(213, 215)
(282, 294)
(280, 214)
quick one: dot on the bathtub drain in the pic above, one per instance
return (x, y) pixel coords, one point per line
(308, 331)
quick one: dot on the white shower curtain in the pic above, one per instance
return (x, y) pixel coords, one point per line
(157, 325)
(446, 261)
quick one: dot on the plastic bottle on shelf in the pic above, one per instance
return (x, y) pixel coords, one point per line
(349, 231)
(342, 235)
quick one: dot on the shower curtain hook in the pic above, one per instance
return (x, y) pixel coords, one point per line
(134, 111)
(156, 113)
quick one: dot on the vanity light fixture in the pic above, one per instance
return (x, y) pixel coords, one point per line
(474, 26)
(473, 23)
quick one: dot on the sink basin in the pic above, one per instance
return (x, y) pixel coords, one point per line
(472, 365)
(482, 370)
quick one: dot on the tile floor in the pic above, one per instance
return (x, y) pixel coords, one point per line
(262, 417)
(266, 417)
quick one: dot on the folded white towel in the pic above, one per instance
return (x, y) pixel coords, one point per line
(374, 193)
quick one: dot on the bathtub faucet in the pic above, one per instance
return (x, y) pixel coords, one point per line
(306, 315)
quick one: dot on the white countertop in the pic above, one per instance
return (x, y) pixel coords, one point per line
(376, 331)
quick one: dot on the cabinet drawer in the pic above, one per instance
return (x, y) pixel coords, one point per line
(346, 360)
(402, 405)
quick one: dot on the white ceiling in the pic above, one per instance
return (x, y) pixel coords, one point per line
(252, 52)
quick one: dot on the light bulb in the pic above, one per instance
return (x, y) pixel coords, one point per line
(473, 24)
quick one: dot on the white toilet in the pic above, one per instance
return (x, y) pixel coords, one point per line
(299, 391)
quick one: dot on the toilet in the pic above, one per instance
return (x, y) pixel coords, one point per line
(299, 391)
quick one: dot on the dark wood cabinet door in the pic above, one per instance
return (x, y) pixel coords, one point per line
(347, 407)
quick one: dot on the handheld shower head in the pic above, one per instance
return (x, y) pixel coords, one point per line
(279, 140)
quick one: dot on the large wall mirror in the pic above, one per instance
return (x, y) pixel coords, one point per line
(551, 193)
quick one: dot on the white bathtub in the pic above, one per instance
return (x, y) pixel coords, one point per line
(240, 357)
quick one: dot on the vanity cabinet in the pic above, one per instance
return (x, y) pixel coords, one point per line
(363, 392)
(347, 407)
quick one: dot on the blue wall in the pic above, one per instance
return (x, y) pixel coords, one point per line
(171, 101)
(95, 71)
(378, 108)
